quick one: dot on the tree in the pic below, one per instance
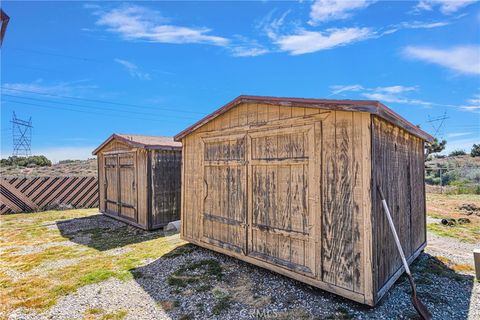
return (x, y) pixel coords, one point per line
(457, 153)
(40, 161)
(475, 150)
(434, 147)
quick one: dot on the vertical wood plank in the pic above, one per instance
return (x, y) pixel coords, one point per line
(252, 110)
(358, 200)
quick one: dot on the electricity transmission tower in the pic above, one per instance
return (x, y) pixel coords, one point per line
(22, 136)
(438, 123)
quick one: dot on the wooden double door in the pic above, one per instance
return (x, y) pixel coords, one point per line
(260, 193)
(120, 185)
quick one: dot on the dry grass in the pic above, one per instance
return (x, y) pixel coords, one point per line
(31, 240)
(446, 206)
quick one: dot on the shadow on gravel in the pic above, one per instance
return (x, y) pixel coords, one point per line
(103, 233)
(182, 286)
(440, 287)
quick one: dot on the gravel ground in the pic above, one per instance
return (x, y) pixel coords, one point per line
(457, 251)
(248, 292)
(195, 283)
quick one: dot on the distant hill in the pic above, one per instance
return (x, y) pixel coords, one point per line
(71, 168)
(454, 162)
(460, 174)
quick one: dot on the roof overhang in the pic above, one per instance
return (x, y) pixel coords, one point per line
(135, 144)
(370, 106)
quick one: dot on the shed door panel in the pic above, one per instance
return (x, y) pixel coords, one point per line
(282, 215)
(224, 205)
(120, 185)
(128, 187)
(111, 184)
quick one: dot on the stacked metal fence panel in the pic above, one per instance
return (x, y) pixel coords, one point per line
(45, 193)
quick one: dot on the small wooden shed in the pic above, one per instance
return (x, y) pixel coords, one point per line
(288, 184)
(139, 179)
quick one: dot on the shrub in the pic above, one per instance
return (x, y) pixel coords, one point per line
(455, 153)
(475, 150)
(40, 161)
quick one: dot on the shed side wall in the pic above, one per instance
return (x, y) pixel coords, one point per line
(166, 168)
(398, 167)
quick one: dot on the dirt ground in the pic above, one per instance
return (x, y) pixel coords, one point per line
(78, 264)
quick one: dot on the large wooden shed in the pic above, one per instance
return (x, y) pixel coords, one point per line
(139, 179)
(289, 185)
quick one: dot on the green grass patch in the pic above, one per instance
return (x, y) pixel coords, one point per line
(199, 273)
(96, 276)
(222, 305)
(464, 232)
(39, 288)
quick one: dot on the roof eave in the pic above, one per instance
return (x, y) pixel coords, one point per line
(134, 144)
(370, 106)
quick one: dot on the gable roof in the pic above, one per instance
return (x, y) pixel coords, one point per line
(140, 141)
(371, 106)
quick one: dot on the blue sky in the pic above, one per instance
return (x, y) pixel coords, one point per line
(83, 70)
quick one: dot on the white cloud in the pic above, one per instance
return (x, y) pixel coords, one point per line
(392, 94)
(458, 134)
(475, 109)
(423, 24)
(336, 89)
(475, 100)
(140, 23)
(461, 144)
(245, 51)
(241, 46)
(395, 89)
(327, 10)
(462, 59)
(271, 26)
(445, 6)
(133, 69)
(311, 41)
(40, 86)
(393, 98)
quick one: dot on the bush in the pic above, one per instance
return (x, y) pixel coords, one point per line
(475, 150)
(464, 187)
(431, 179)
(40, 161)
(67, 161)
(455, 153)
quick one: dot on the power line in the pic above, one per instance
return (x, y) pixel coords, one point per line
(101, 101)
(440, 119)
(92, 107)
(90, 112)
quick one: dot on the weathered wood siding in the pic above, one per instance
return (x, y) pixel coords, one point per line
(113, 146)
(346, 247)
(148, 184)
(398, 166)
(123, 176)
(165, 186)
(285, 188)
